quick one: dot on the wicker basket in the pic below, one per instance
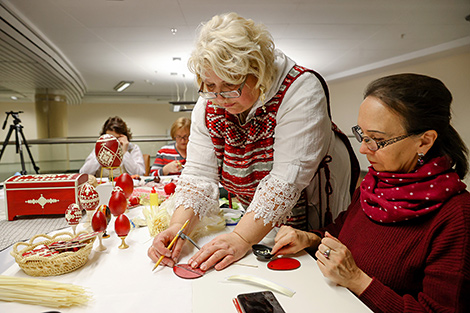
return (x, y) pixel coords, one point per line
(54, 265)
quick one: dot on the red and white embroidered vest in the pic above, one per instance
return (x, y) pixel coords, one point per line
(245, 152)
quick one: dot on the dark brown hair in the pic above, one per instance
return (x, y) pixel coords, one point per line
(423, 102)
(116, 124)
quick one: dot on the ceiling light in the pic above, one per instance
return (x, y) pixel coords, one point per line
(122, 85)
(14, 98)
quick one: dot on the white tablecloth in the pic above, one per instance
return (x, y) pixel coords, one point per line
(123, 281)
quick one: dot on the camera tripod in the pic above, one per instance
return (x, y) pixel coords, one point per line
(20, 140)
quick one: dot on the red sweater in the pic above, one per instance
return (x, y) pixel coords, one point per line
(420, 265)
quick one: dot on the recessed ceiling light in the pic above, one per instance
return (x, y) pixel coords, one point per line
(122, 85)
(173, 31)
(14, 98)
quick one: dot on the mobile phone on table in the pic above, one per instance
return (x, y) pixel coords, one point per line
(258, 302)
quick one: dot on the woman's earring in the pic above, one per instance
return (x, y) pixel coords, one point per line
(420, 158)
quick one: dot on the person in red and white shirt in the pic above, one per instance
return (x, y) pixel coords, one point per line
(171, 158)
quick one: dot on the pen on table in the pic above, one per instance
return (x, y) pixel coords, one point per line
(171, 243)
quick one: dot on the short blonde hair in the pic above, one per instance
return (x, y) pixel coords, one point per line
(234, 47)
(180, 123)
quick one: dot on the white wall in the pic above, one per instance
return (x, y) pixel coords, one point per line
(87, 119)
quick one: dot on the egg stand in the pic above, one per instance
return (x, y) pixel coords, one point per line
(111, 173)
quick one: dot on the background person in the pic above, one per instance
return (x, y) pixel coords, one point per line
(261, 128)
(403, 243)
(132, 161)
(171, 158)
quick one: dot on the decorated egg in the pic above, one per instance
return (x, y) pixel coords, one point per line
(73, 214)
(122, 226)
(134, 201)
(106, 211)
(126, 183)
(117, 188)
(117, 203)
(108, 151)
(88, 197)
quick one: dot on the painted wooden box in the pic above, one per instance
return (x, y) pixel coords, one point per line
(41, 194)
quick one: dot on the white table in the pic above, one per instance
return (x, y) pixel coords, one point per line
(123, 281)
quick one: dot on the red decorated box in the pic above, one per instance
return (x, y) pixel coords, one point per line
(41, 194)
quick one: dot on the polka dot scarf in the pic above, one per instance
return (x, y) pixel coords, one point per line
(394, 197)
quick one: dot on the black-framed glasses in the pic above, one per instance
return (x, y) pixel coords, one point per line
(371, 143)
(224, 94)
(185, 137)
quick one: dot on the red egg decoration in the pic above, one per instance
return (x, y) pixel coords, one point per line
(108, 151)
(73, 214)
(116, 189)
(106, 211)
(134, 201)
(122, 225)
(98, 221)
(169, 188)
(117, 203)
(126, 183)
(88, 197)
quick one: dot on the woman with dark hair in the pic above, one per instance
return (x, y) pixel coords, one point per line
(132, 161)
(403, 244)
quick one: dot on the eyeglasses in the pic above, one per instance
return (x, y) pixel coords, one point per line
(224, 94)
(185, 137)
(371, 143)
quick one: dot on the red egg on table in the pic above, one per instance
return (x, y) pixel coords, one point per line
(98, 221)
(169, 188)
(108, 151)
(126, 183)
(73, 214)
(117, 203)
(88, 197)
(117, 188)
(122, 225)
(99, 224)
(134, 201)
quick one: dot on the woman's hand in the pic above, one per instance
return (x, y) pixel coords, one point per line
(337, 263)
(161, 241)
(290, 241)
(172, 167)
(124, 142)
(220, 252)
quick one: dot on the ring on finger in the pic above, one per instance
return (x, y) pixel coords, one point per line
(327, 253)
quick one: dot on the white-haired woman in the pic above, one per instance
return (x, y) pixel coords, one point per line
(261, 128)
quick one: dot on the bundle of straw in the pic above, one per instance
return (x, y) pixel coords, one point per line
(41, 292)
